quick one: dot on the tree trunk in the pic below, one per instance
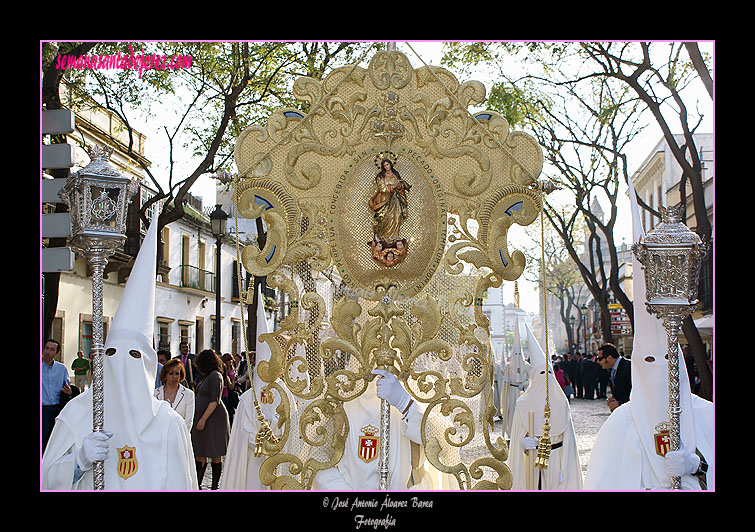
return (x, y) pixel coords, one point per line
(51, 100)
(697, 347)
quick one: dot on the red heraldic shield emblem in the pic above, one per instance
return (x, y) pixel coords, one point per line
(127, 464)
(368, 444)
(662, 440)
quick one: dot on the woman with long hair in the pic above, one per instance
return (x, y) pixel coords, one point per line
(389, 203)
(211, 429)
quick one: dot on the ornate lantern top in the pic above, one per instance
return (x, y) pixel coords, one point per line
(671, 232)
(671, 254)
(98, 197)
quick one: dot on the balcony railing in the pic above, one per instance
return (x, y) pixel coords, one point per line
(193, 277)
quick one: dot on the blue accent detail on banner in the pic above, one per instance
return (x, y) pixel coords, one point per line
(259, 200)
(270, 257)
(515, 207)
(502, 259)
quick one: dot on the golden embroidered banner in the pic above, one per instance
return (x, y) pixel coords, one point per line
(387, 208)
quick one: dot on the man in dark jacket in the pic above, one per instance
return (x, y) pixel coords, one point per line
(620, 372)
(589, 376)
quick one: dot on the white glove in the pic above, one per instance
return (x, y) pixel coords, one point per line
(529, 443)
(94, 447)
(681, 462)
(390, 389)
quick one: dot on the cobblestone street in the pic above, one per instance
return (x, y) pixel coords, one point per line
(588, 416)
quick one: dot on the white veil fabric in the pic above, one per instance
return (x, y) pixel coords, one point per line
(519, 367)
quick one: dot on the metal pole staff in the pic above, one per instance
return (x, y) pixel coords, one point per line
(97, 260)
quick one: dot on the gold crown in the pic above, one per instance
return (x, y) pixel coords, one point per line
(369, 430)
(663, 426)
(393, 157)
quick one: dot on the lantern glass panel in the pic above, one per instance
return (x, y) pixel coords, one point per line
(670, 278)
(105, 205)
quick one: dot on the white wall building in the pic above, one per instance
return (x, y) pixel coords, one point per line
(502, 316)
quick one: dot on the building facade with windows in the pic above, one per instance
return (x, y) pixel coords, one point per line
(657, 182)
(187, 273)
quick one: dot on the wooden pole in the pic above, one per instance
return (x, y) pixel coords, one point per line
(530, 459)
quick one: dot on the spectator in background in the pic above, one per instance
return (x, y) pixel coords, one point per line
(80, 368)
(230, 387)
(211, 428)
(171, 390)
(589, 376)
(243, 374)
(187, 359)
(620, 374)
(55, 381)
(601, 381)
(579, 389)
(163, 355)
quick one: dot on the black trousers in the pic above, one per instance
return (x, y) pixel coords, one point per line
(49, 413)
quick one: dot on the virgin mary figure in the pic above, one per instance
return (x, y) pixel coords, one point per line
(389, 204)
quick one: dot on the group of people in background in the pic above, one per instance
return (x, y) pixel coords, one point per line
(601, 375)
(205, 389)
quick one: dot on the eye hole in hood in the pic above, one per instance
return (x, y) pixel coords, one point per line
(134, 353)
(110, 351)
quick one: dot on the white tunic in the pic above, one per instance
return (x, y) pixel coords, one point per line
(163, 452)
(563, 472)
(241, 469)
(354, 473)
(619, 460)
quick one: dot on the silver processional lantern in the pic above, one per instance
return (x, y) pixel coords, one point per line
(97, 197)
(671, 256)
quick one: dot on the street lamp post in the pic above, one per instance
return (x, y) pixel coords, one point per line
(671, 255)
(98, 198)
(218, 220)
(573, 336)
(584, 326)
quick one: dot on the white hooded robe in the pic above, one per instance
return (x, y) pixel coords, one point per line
(624, 456)
(150, 442)
(564, 471)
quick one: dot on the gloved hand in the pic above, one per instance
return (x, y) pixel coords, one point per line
(94, 447)
(681, 462)
(529, 443)
(390, 389)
